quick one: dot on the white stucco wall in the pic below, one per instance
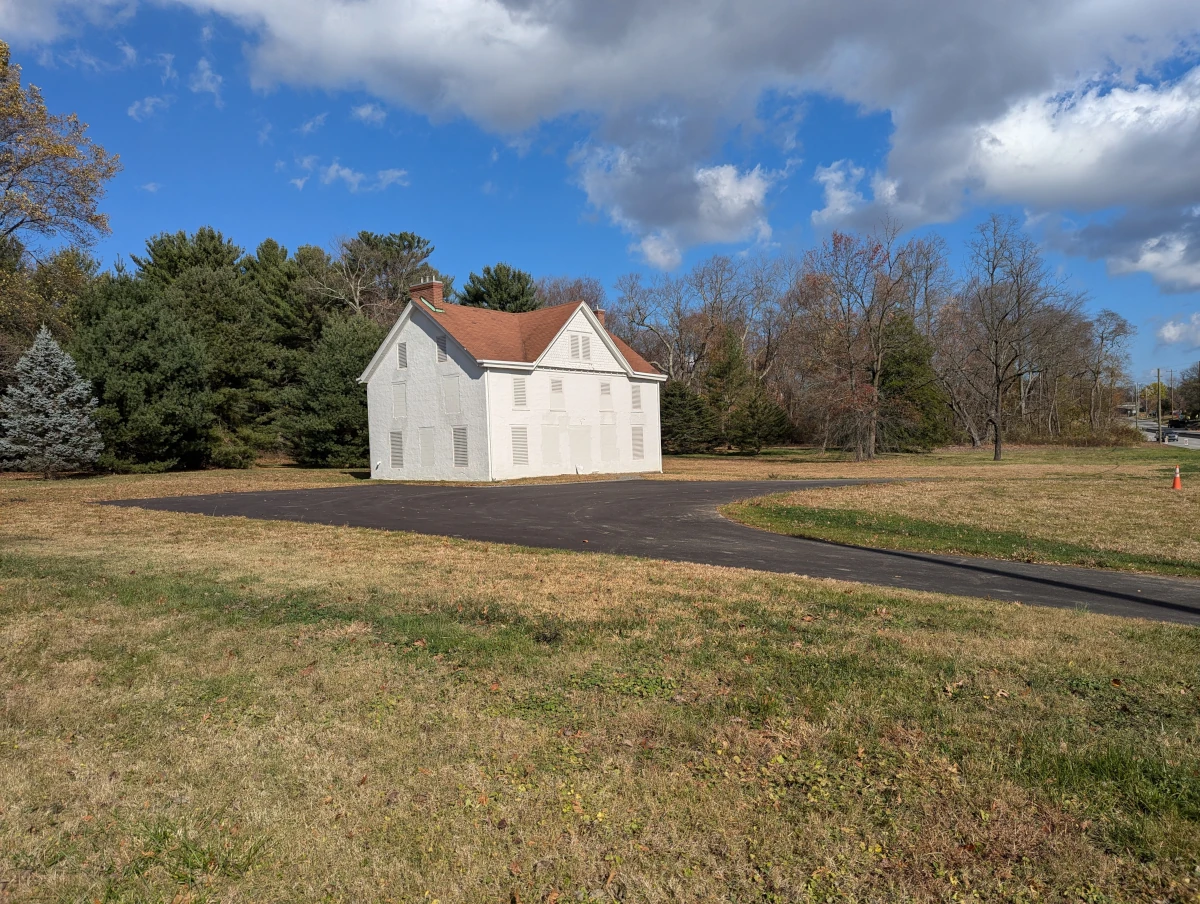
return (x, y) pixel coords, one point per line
(589, 436)
(427, 421)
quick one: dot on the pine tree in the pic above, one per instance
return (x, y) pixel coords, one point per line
(150, 374)
(46, 416)
(688, 424)
(501, 288)
(328, 426)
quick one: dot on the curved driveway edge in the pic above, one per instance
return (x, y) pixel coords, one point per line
(678, 521)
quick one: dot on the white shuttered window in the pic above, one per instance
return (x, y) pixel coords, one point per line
(558, 401)
(402, 355)
(397, 449)
(450, 393)
(636, 397)
(585, 347)
(520, 444)
(519, 398)
(399, 401)
(441, 348)
(460, 447)
(605, 395)
(574, 346)
(639, 448)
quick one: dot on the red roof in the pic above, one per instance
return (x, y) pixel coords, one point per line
(500, 336)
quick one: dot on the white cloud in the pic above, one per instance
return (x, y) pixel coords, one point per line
(129, 56)
(842, 198)
(167, 62)
(312, 125)
(388, 177)
(336, 172)
(669, 205)
(264, 133)
(299, 182)
(151, 187)
(307, 162)
(206, 81)
(143, 109)
(371, 114)
(206, 34)
(1042, 106)
(1181, 332)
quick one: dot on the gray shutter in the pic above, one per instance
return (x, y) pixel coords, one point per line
(519, 400)
(397, 449)
(402, 355)
(637, 397)
(441, 348)
(520, 445)
(585, 347)
(460, 447)
(639, 448)
(574, 347)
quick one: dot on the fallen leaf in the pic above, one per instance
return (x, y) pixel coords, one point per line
(514, 868)
(362, 781)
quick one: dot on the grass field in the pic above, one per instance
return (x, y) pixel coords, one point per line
(206, 709)
(1108, 508)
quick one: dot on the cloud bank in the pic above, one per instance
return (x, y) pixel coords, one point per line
(1076, 108)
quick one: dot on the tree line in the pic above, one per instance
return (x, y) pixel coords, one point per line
(199, 354)
(869, 343)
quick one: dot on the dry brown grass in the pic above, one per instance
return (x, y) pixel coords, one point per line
(221, 709)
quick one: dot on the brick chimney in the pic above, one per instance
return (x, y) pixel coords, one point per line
(431, 292)
(599, 312)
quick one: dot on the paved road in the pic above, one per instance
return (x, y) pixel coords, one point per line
(678, 521)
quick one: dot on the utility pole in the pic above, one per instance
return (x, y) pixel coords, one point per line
(1158, 394)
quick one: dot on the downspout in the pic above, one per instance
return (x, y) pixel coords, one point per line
(487, 418)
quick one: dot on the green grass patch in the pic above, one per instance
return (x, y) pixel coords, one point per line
(890, 531)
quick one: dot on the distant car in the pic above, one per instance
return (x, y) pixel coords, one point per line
(1170, 436)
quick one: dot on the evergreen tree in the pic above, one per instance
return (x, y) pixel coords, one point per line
(501, 288)
(46, 416)
(915, 415)
(757, 422)
(328, 424)
(688, 424)
(226, 313)
(728, 384)
(170, 255)
(150, 375)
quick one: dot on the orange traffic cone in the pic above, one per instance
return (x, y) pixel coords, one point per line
(1178, 484)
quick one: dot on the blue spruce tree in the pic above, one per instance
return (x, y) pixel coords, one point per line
(46, 415)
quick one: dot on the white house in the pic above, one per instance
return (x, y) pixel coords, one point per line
(463, 393)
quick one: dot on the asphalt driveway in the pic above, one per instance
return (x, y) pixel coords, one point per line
(678, 521)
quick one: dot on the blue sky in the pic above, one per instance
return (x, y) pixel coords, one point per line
(570, 138)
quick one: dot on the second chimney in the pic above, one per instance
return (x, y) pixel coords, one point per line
(429, 292)
(599, 312)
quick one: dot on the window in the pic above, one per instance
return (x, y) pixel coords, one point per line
(585, 347)
(450, 393)
(636, 397)
(427, 451)
(402, 355)
(519, 400)
(574, 346)
(397, 449)
(639, 447)
(399, 401)
(606, 395)
(558, 401)
(608, 442)
(441, 348)
(551, 444)
(460, 447)
(520, 443)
